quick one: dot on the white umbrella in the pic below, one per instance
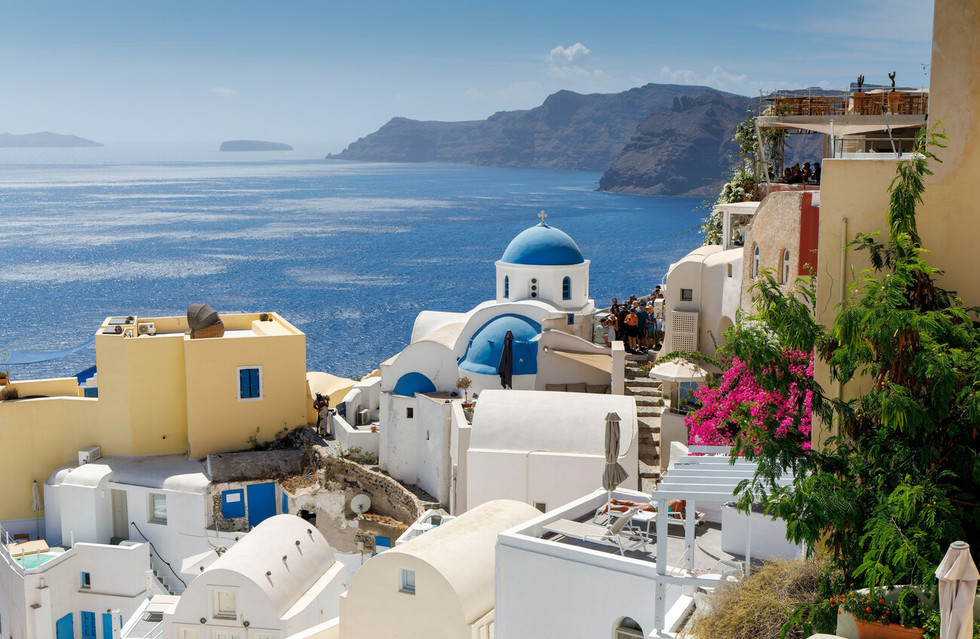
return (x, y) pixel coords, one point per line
(957, 574)
(678, 371)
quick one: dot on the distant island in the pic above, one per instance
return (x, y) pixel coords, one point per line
(254, 145)
(44, 139)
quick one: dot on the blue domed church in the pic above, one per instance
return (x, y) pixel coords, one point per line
(541, 298)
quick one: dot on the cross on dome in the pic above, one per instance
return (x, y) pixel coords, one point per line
(542, 215)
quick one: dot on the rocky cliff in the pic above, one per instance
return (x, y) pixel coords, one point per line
(685, 149)
(568, 131)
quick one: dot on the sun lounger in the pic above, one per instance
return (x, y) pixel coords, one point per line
(618, 534)
(648, 518)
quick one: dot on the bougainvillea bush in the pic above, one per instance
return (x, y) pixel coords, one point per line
(740, 405)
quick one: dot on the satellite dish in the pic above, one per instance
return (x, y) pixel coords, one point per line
(360, 504)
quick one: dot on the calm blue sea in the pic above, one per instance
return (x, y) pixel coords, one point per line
(349, 253)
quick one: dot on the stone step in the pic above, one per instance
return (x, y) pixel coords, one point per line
(649, 484)
(637, 387)
(650, 468)
(649, 411)
(645, 382)
(644, 400)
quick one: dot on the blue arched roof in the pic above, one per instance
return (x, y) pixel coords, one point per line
(483, 353)
(411, 383)
(543, 245)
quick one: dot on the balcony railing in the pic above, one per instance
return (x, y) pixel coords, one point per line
(829, 102)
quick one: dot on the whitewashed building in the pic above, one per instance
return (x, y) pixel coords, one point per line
(280, 580)
(83, 591)
(545, 449)
(439, 585)
(541, 296)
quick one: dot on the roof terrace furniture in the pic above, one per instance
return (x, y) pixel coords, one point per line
(611, 536)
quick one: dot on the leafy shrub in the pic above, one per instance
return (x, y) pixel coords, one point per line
(757, 608)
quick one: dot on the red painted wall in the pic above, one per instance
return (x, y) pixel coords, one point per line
(809, 232)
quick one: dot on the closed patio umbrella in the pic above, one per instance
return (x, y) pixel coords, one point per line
(506, 366)
(957, 574)
(613, 474)
(36, 506)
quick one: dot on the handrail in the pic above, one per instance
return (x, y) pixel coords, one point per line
(159, 556)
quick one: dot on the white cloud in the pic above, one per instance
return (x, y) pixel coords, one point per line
(224, 92)
(570, 62)
(719, 78)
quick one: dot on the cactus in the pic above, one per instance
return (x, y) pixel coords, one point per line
(860, 82)
(891, 76)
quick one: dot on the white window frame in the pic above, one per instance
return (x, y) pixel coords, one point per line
(150, 515)
(406, 575)
(238, 384)
(784, 267)
(214, 592)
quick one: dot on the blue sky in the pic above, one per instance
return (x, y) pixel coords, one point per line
(320, 74)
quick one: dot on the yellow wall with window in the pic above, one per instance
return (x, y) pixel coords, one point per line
(163, 393)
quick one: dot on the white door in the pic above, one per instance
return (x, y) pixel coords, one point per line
(120, 514)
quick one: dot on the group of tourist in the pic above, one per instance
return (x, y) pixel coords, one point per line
(638, 323)
(802, 175)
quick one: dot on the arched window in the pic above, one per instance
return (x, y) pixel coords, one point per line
(566, 289)
(628, 629)
(784, 270)
(506, 286)
(755, 261)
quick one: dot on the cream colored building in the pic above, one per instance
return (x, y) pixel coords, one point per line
(854, 196)
(159, 391)
(439, 585)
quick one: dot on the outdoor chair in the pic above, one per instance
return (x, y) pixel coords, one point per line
(617, 534)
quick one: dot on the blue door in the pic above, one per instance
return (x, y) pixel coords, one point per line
(88, 625)
(233, 503)
(106, 625)
(261, 502)
(65, 628)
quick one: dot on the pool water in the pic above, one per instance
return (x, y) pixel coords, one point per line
(30, 561)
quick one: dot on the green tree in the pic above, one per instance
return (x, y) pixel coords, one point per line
(899, 480)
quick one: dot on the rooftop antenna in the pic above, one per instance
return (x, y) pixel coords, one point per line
(360, 504)
(542, 215)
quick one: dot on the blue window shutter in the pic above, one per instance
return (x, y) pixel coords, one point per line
(107, 625)
(243, 383)
(254, 382)
(88, 625)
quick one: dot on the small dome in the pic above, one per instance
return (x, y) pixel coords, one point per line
(411, 383)
(483, 353)
(543, 245)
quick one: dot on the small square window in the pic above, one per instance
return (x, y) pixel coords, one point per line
(224, 604)
(540, 505)
(406, 581)
(410, 412)
(249, 382)
(86, 581)
(687, 294)
(158, 509)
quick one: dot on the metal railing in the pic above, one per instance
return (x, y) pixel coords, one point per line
(825, 102)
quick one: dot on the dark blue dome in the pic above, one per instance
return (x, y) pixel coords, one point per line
(483, 353)
(411, 383)
(543, 245)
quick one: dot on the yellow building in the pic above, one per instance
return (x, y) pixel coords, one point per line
(854, 195)
(159, 391)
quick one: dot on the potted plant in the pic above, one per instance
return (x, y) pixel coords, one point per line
(463, 384)
(3, 378)
(885, 613)
(858, 97)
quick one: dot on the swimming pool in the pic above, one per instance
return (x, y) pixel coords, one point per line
(30, 560)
